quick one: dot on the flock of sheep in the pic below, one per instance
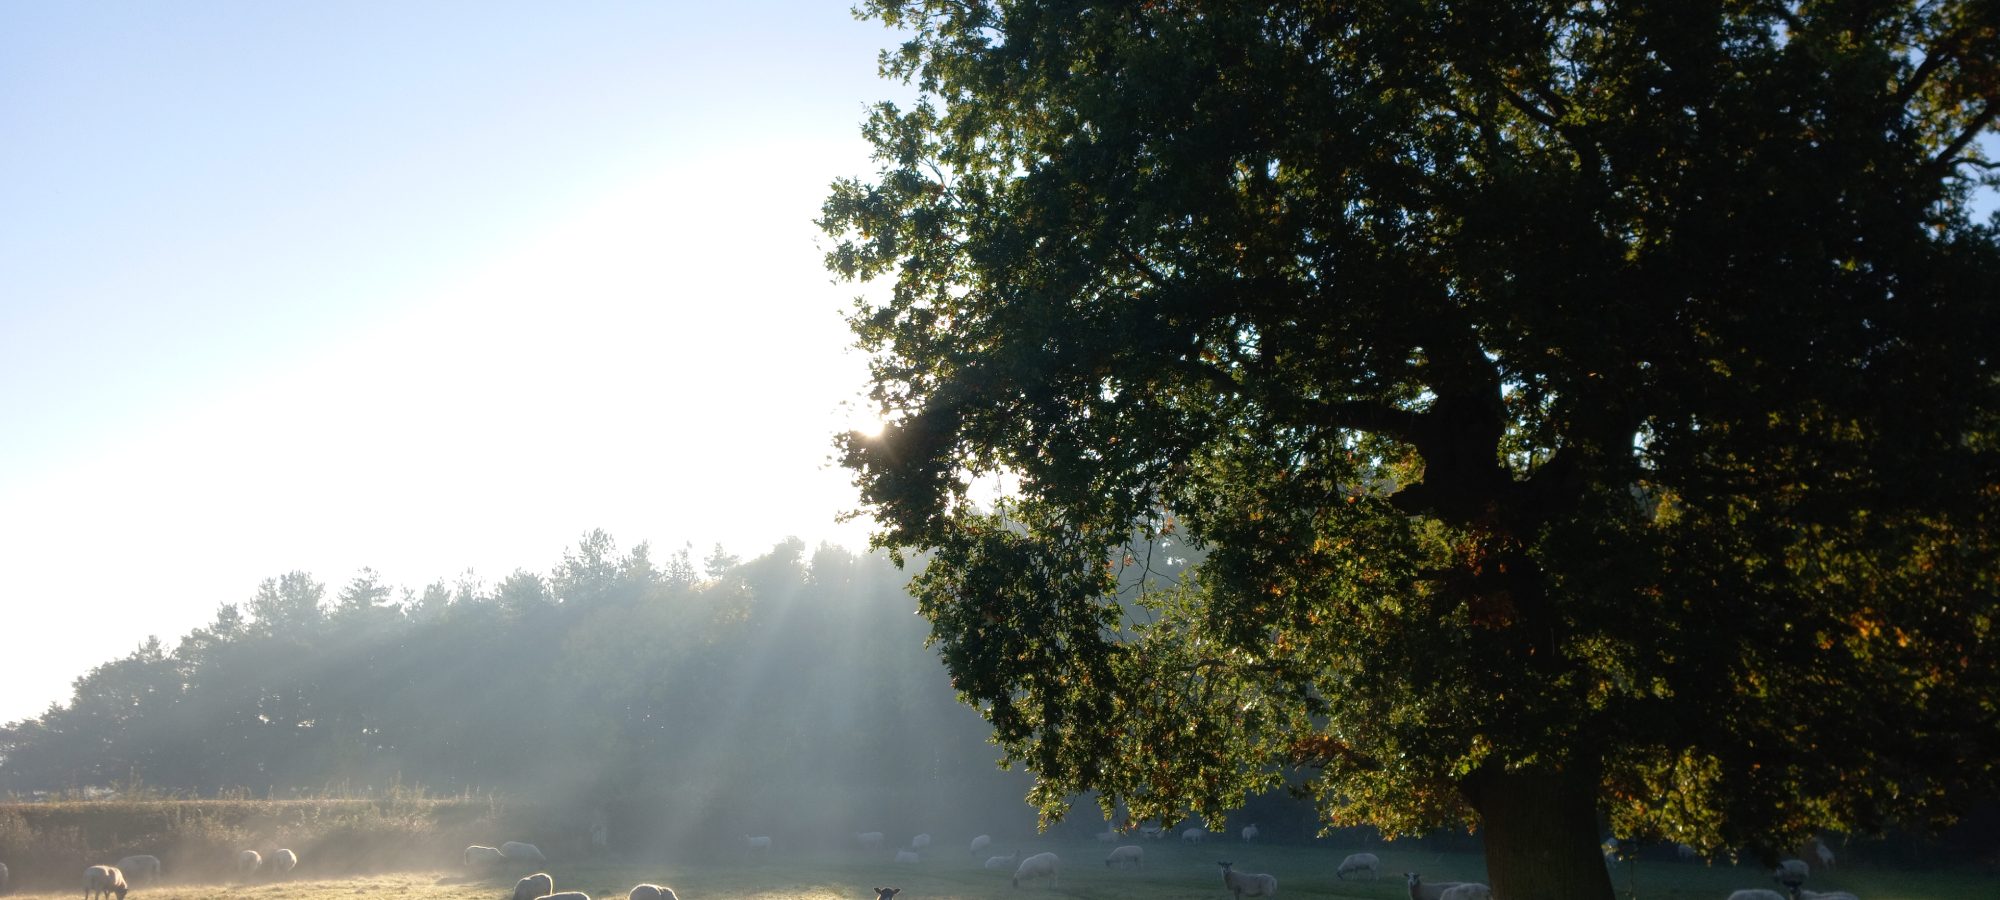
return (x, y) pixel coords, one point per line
(112, 880)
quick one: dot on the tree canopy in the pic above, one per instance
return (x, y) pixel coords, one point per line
(1581, 409)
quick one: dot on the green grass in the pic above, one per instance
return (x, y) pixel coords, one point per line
(1173, 871)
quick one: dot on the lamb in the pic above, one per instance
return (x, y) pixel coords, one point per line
(249, 861)
(103, 881)
(920, 842)
(1421, 891)
(1470, 890)
(519, 852)
(1245, 884)
(1791, 872)
(868, 839)
(540, 884)
(479, 855)
(980, 843)
(651, 892)
(907, 857)
(1359, 862)
(1756, 894)
(1041, 865)
(1130, 856)
(1194, 834)
(142, 865)
(1250, 832)
(283, 861)
(1002, 862)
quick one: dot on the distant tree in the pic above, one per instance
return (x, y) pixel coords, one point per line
(1584, 408)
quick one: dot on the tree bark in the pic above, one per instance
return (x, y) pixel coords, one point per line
(1540, 831)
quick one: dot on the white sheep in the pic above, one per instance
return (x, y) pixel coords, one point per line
(565, 895)
(520, 852)
(760, 844)
(868, 839)
(651, 892)
(1421, 891)
(1250, 832)
(920, 841)
(540, 884)
(1247, 884)
(980, 843)
(1194, 834)
(103, 881)
(1791, 872)
(479, 855)
(1756, 894)
(1041, 865)
(1824, 853)
(284, 861)
(907, 857)
(141, 866)
(1470, 890)
(1359, 862)
(249, 861)
(1130, 856)
(1002, 862)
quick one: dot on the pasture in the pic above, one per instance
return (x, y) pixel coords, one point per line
(1172, 871)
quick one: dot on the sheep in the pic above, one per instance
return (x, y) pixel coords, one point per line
(249, 861)
(651, 892)
(1470, 890)
(283, 861)
(142, 865)
(1756, 894)
(1798, 894)
(887, 893)
(980, 843)
(759, 844)
(3, 878)
(1421, 891)
(520, 852)
(479, 855)
(869, 840)
(1250, 832)
(1359, 862)
(907, 857)
(920, 842)
(565, 895)
(1130, 856)
(1152, 831)
(1791, 872)
(1194, 834)
(1824, 853)
(1041, 865)
(1245, 884)
(540, 884)
(1686, 852)
(102, 881)
(1002, 862)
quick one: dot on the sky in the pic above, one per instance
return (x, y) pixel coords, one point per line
(420, 287)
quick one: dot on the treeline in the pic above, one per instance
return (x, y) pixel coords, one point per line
(791, 692)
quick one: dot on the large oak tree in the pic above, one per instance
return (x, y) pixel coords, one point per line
(1578, 409)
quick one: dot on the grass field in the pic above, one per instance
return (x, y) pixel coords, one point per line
(1172, 872)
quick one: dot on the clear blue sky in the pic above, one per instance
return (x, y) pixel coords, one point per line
(417, 286)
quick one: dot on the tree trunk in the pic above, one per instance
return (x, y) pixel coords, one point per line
(1540, 831)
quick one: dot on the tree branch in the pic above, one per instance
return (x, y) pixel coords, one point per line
(1972, 129)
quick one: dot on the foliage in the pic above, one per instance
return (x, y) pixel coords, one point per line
(1584, 408)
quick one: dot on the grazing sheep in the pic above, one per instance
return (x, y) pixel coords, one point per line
(1756, 894)
(1002, 862)
(980, 843)
(519, 852)
(761, 844)
(1041, 865)
(565, 895)
(651, 892)
(141, 866)
(479, 855)
(1825, 853)
(870, 840)
(1421, 891)
(1359, 862)
(1250, 832)
(1194, 834)
(907, 857)
(887, 893)
(1470, 890)
(920, 842)
(103, 881)
(1130, 856)
(249, 861)
(284, 861)
(1791, 872)
(540, 884)
(1247, 884)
